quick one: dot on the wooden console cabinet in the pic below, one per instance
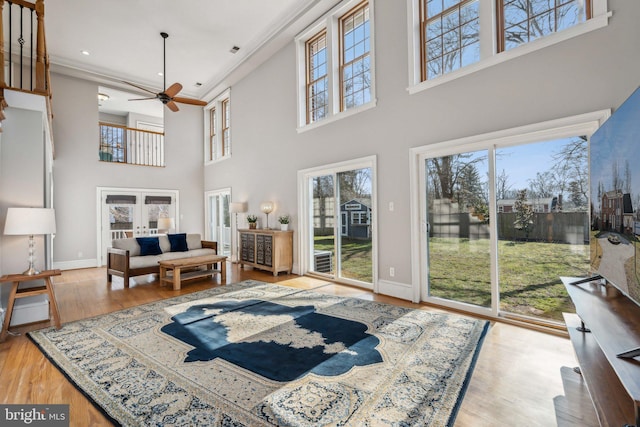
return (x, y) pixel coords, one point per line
(613, 326)
(270, 250)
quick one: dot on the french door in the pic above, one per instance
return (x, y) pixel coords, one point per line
(337, 213)
(219, 220)
(133, 213)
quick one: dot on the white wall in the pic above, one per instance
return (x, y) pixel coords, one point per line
(22, 184)
(591, 72)
(77, 170)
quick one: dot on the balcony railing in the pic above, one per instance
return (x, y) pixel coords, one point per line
(23, 52)
(120, 144)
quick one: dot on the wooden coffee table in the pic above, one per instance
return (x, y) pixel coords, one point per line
(195, 267)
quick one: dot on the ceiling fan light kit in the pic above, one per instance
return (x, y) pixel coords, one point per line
(168, 95)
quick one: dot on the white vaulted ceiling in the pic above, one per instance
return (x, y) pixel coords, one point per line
(124, 43)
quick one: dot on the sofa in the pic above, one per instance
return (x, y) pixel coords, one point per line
(136, 256)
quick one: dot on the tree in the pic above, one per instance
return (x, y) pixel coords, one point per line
(524, 214)
(503, 188)
(571, 164)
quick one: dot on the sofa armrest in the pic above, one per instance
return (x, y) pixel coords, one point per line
(117, 263)
(209, 244)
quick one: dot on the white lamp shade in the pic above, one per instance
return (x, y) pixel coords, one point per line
(166, 223)
(30, 221)
(267, 207)
(237, 207)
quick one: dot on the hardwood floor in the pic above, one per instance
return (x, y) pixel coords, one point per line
(522, 377)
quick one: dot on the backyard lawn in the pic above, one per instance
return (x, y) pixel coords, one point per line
(529, 272)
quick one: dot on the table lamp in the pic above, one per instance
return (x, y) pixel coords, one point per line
(29, 222)
(267, 208)
(166, 224)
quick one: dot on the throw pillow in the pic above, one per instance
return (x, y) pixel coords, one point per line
(149, 246)
(178, 242)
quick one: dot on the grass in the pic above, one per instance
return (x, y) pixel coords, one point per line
(528, 274)
(460, 270)
(356, 259)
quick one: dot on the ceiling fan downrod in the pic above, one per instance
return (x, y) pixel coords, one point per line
(164, 60)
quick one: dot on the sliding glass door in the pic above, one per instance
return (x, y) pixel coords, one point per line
(502, 220)
(337, 220)
(458, 233)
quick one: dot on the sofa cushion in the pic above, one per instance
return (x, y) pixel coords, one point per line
(178, 242)
(149, 246)
(129, 244)
(194, 241)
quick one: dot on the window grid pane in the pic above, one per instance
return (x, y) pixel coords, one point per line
(317, 79)
(355, 58)
(212, 134)
(527, 20)
(226, 135)
(450, 34)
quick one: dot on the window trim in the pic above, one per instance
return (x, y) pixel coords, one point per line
(217, 104)
(330, 22)
(489, 58)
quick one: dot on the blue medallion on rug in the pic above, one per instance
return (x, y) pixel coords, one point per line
(276, 341)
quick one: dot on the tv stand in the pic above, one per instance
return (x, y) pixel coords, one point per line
(613, 381)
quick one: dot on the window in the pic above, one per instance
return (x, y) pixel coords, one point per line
(450, 36)
(453, 38)
(317, 89)
(523, 21)
(355, 63)
(212, 133)
(361, 218)
(217, 123)
(335, 64)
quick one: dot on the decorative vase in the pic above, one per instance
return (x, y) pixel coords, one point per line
(284, 227)
(252, 225)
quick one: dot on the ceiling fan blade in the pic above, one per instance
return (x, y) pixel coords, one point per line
(173, 90)
(142, 99)
(172, 106)
(139, 87)
(189, 101)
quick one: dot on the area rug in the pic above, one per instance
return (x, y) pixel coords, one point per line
(258, 354)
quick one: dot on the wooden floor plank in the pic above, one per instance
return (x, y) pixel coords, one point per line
(519, 377)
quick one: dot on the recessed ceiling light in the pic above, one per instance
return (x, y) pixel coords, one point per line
(85, 52)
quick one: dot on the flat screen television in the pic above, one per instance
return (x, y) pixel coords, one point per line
(615, 199)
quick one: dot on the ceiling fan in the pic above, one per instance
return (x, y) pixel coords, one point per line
(168, 95)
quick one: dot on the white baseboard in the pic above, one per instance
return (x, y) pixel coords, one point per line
(72, 265)
(396, 289)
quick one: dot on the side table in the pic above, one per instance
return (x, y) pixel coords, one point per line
(16, 293)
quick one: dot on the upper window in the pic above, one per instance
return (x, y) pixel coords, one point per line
(453, 38)
(337, 71)
(523, 21)
(451, 35)
(217, 123)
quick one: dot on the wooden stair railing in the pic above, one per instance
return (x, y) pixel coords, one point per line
(17, 50)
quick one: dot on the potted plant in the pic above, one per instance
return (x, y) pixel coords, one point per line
(252, 220)
(284, 222)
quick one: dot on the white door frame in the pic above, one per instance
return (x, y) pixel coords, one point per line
(305, 214)
(207, 219)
